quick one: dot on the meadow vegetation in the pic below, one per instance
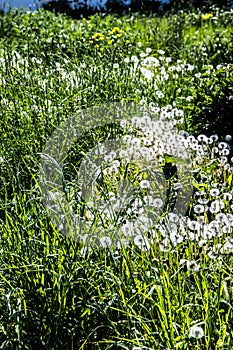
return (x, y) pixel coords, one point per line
(167, 283)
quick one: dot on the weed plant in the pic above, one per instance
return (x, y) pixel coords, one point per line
(167, 284)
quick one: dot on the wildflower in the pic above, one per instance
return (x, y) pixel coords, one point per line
(158, 203)
(179, 113)
(109, 157)
(214, 226)
(214, 137)
(176, 238)
(127, 139)
(208, 233)
(144, 184)
(197, 75)
(206, 16)
(148, 50)
(194, 225)
(98, 36)
(196, 332)
(111, 170)
(190, 67)
(164, 245)
(135, 121)
(228, 138)
(191, 235)
(151, 62)
(123, 123)
(202, 219)
(148, 200)
(171, 68)
(190, 264)
(228, 245)
(123, 154)
(172, 217)
(127, 60)
(141, 242)
(203, 201)
(224, 152)
(216, 206)
(215, 150)
(127, 229)
(147, 73)
(226, 229)
(122, 242)
(230, 218)
(178, 68)
(161, 52)
(146, 153)
(159, 94)
(198, 209)
(168, 59)
(202, 138)
(147, 142)
(134, 59)
(116, 163)
(202, 243)
(114, 30)
(135, 142)
(222, 145)
(214, 192)
(138, 202)
(143, 55)
(105, 241)
(221, 217)
(144, 223)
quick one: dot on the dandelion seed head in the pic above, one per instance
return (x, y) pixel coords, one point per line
(214, 137)
(158, 203)
(141, 242)
(105, 241)
(144, 184)
(214, 192)
(222, 145)
(196, 332)
(199, 209)
(228, 138)
(202, 138)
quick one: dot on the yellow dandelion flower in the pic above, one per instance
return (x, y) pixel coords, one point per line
(98, 36)
(115, 29)
(206, 16)
(101, 48)
(109, 42)
(119, 35)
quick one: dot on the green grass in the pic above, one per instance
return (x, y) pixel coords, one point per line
(56, 293)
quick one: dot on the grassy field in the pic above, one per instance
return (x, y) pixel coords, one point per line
(166, 282)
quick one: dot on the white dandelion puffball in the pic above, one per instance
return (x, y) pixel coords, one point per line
(196, 332)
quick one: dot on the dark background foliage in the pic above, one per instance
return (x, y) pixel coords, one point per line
(214, 105)
(78, 9)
